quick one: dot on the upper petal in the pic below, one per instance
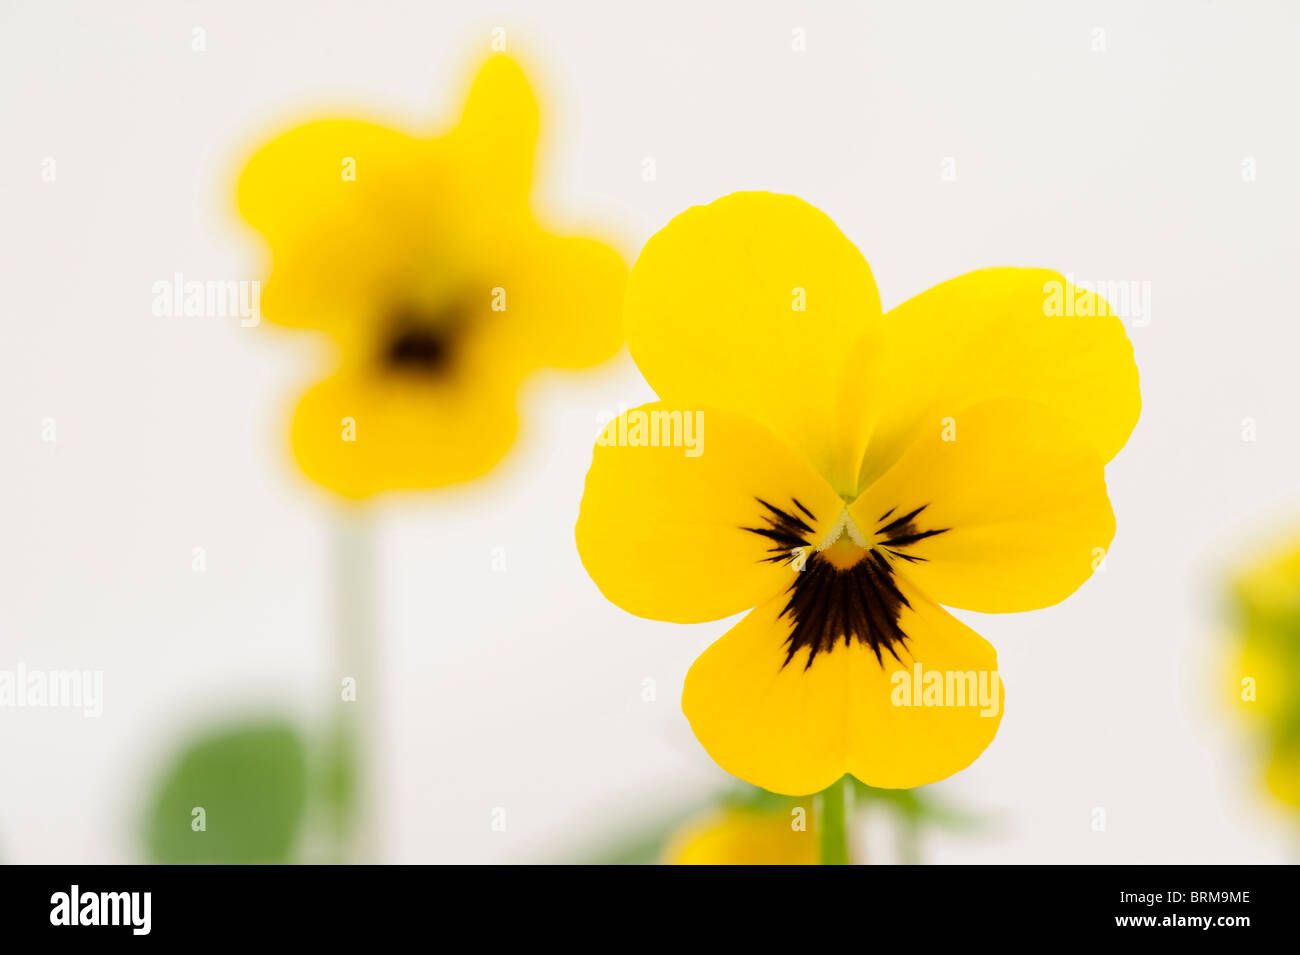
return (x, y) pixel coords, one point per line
(677, 531)
(1005, 332)
(796, 730)
(1002, 508)
(497, 131)
(341, 204)
(360, 217)
(757, 303)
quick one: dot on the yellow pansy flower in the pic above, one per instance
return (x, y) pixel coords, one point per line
(421, 258)
(845, 473)
(741, 836)
(1265, 676)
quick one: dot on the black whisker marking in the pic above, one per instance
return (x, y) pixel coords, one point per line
(827, 603)
(899, 522)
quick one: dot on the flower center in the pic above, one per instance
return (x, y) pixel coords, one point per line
(845, 588)
(421, 341)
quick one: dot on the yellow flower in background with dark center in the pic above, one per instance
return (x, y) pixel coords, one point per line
(421, 258)
(846, 473)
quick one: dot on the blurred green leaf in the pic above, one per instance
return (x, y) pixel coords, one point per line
(755, 799)
(913, 809)
(913, 806)
(644, 844)
(643, 848)
(920, 806)
(246, 785)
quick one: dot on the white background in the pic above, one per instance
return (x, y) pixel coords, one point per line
(523, 689)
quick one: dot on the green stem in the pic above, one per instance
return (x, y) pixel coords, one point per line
(355, 649)
(834, 809)
(909, 839)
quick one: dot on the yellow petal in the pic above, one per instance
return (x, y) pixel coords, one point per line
(361, 218)
(498, 130)
(1282, 774)
(1267, 590)
(377, 236)
(742, 837)
(560, 301)
(342, 205)
(758, 303)
(663, 530)
(1018, 501)
(1263, 688)
(301, 177)
(794, 730)
(1004, 333)
(360, 433)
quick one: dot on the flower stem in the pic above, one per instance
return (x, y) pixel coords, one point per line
(354, 623)
(909, 839)
(834, 809)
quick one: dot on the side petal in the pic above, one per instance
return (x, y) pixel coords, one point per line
(796, 730)
(1006, 332)
(758, 303)
(687, 531)
(562, 298)
(1005, 509)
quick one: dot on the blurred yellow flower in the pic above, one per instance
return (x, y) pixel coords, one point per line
(1263, 687)
(846, 472)
(421, 258)
(741, 836)
(1265, 676)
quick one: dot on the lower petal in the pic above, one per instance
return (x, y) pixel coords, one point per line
(796, 730)
(358, 434)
